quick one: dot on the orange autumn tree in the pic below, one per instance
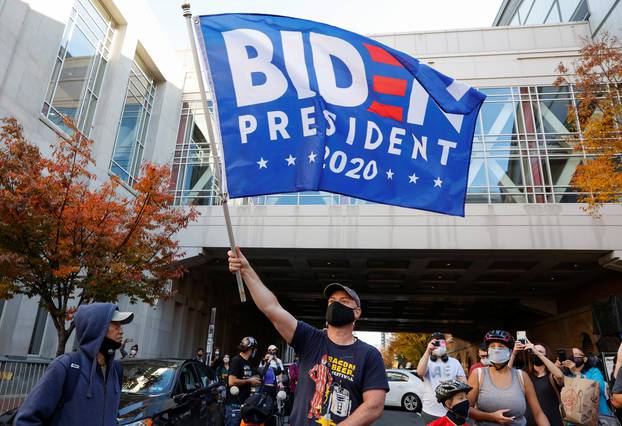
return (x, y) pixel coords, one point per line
(71, 241)
(405, 347)
(597, 79)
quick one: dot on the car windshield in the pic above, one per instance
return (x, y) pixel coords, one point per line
(148, 378)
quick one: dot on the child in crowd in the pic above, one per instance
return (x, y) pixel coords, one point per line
(453, 395)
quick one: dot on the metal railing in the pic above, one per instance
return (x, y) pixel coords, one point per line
(18, 375)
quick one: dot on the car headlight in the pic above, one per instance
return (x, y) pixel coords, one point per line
(143, 422)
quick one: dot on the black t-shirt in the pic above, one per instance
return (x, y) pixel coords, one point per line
(548, 397)
(240, 368)
(332, 377)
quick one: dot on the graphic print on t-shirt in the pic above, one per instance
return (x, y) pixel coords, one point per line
(330, 398)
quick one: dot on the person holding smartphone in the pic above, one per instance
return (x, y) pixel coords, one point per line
(547, 378)
(435, 366)
(500, 394)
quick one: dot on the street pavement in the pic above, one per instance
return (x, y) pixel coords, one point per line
(396, 417)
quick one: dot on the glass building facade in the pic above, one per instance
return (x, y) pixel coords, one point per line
(192, 179)
(523, 152)
(134, 123)
(80, 65)
(533, 12)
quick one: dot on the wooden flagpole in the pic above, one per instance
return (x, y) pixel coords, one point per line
(212, 141)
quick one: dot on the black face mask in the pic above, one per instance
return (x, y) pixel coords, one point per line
(535, 360)
(443, 358)
(108, 347)
(339, 314)
(578, 361)
(459, 412)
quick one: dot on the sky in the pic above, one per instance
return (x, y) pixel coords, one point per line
(361, 16)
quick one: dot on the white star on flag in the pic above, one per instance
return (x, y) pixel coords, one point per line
(312, 157)
(263, 164)
(390, 174)
(291, 161)
(438, 182)
(413, 179)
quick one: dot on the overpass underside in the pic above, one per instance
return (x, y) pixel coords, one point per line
(462, 292)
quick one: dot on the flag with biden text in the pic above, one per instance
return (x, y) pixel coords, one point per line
(305, 106)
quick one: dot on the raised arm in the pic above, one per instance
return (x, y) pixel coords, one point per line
(422, 366)
(265, 300)
(558, 375)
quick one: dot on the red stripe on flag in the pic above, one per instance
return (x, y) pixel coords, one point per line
(385, 110)
(389, 85)
(378, 54)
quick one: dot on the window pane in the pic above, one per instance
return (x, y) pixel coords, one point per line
(37, 332)
(498, 117)
(553, 17)
(79, 68)
(568, 8)
(72, 81)
(555, 117)
(132, 132)
(539, 12)
(524, 9)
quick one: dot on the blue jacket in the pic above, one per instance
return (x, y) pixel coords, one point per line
(94, 402)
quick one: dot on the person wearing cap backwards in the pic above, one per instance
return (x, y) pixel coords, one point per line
(435, 366)
(95, 376)
(342, 379)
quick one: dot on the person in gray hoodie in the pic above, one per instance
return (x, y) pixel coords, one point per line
(84, 387)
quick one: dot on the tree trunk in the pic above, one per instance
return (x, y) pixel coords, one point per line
(63, 336)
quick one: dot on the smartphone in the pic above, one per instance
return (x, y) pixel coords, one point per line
(561, 355)
(436, 343)
(521, 336)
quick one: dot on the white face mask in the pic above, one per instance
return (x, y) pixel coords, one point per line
(440, 351)
(486, 361)
(499, 355)
(133, 352)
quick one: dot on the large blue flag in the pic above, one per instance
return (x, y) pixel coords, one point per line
(307, 106)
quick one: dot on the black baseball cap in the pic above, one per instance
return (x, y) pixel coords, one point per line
(331, 288)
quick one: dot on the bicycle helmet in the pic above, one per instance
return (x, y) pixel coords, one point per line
(500, 336)
(449, 388)
(247, 343)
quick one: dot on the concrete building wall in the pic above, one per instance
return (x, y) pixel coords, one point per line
(30, 36)
(495, 226)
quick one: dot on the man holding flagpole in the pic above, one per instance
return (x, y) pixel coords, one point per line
(342, 379)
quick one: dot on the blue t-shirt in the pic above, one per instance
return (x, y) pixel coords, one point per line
(332, 377)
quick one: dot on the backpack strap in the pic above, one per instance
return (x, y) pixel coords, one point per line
(71, 362)
(119, 370)
(521, 378)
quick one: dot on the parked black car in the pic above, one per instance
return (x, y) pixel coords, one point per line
(167, 392)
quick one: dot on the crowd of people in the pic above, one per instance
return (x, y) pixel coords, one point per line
(517, 382)
(337, 379)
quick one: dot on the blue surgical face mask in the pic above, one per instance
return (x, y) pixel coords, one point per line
(499, 355)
